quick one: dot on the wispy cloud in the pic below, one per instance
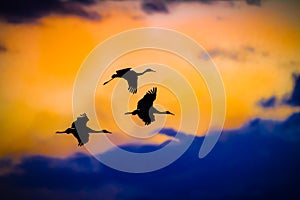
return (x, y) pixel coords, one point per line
(249, 48)
(236, 55)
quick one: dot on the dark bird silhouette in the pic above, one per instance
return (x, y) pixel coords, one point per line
(80, 131)
(130, 76)
(145, 109)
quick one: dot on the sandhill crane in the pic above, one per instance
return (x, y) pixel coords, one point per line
(130, 76)
(145, 109)
(80, 131)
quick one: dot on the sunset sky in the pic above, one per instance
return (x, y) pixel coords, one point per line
(254, 44)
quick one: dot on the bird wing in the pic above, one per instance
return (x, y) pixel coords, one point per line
(144, 115)
(121, 72)
(145, 104)
(131, 78)
(147, 101)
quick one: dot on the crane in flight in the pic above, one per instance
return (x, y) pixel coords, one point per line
(80, 130)
(130, 76)
(145, 109)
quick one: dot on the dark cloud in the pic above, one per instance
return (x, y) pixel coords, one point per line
(254, 2)
(293, 99)
(199, 1)
(158, 6)
(213, 53)
(85, 2)
(260, 160)
(154, 6)
(268, 103)
(6, 165)
(161, 6)
(20, 11)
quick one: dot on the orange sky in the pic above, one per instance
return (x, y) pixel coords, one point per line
(41, 63)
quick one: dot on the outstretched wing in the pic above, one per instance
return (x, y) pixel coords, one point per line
(147, 101)
(131, 78)
(147, 117)
(145, 104)
(121, 72)
(144, 115)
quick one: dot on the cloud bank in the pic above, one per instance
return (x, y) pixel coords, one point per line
(260, 160)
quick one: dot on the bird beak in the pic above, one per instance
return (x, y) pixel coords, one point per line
(172, 113)
(127, 113)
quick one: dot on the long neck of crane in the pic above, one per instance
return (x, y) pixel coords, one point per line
(132, 113)
(139, 74)
(160, 112)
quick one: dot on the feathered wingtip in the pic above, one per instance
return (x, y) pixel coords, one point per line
(83, 115)
(154, 90)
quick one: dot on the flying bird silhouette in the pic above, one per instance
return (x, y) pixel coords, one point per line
(80, 131)
(130, 76)
(145, 109)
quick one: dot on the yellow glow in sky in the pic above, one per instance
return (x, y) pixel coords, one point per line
(256, 50)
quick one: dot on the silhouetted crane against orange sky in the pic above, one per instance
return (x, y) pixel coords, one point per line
(145, 109)
(130, 76)
(80, 131)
